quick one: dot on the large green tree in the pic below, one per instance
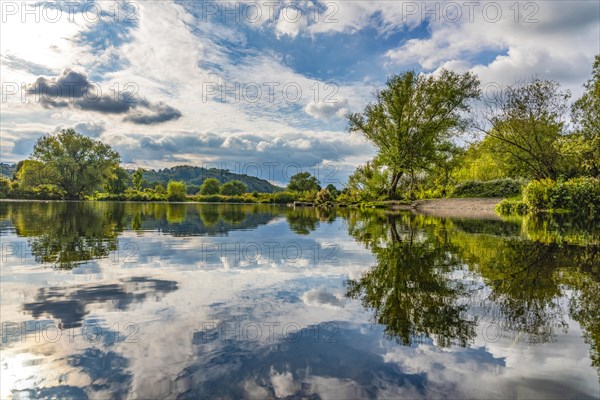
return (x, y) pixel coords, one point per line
(75, 163)
(412, 116)
(586, 116)
(210, 186)
(233, 188)
(303, 182)
(526, 123)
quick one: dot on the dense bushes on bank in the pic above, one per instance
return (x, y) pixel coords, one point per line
(579, 194)
(495, 188)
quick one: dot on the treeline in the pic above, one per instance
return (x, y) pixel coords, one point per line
(71, 166)
(519, 136)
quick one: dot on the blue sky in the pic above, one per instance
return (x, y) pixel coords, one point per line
(240, 83)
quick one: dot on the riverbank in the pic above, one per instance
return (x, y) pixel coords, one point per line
(480, 208)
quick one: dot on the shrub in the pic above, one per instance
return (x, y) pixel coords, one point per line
(283, 197)
(507, 207)
(233, 188)
(496, 188)
(323, 197)
(579, 194)
(176, 191)
(210, 186)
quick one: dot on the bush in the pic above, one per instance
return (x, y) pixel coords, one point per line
(233, 188)
(579, 194)
(283, 197)
(176, 191)
(210, 186)
(507, 207)
(496, 188)
(323, 197)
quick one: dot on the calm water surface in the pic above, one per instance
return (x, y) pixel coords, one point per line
(141, 301)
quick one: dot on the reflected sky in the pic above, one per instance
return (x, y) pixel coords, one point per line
(120, 300)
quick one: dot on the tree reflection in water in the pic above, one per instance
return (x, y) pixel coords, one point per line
(537, 272)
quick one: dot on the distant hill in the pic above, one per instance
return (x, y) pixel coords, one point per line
(7, 170)
(195, 176)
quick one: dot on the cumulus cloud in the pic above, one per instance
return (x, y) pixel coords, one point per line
(74, 89)
(324, 110)
(291, 21)
(323, 297)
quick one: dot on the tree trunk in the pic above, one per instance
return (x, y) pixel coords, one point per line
(394, 186)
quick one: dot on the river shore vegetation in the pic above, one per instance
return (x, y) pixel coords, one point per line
(436, 136)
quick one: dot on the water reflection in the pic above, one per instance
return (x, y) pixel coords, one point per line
(406, 306)
(534, 277)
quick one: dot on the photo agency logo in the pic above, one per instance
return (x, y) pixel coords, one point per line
(73, 88)
(303, 13)
(52, 332)
(216, 89)
(268, 331)
(123, 252)
(289, 252)
(90, 12)
(326, 173)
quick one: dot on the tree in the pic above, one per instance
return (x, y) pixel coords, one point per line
(586, 117)
(117, 182)
(30, 173)
(177, 191)
(527, 122)
(333, 190)
(210, 186)
(412, 116)
(370, 181)
(233, 188)
(303, 182)
(138, 179)
(75, 163)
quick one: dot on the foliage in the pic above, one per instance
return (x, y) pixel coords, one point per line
(210, 186)
(586, 116)
(197, 175)
(30, 173)
(581, 195)
(117, 182)
(176, 191)
(413, 116)
(233, 188)
(323, 197)
(303, 182)
(481, 162)
(75, 163)
(138, 179)
(333, 190)
(526, 122)
(508, 206)
(496, 188)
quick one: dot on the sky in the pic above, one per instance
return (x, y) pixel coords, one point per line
(259, 87)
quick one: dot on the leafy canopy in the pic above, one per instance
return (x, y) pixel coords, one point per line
(303, 182)
(75, 163)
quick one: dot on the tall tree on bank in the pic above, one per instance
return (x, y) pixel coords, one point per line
(586, 116)
(412, 116)
(75, 163)
(526, 122)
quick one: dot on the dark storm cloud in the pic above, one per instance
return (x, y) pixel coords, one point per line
(160, 112)
(74, 89)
